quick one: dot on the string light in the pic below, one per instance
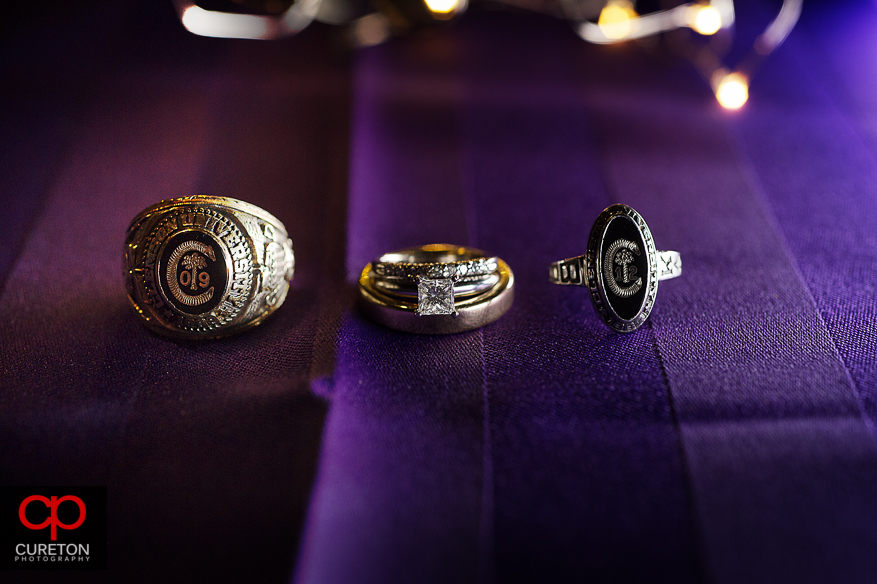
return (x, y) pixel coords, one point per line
(444, 7)
(224, 25)
(618, 21)
(707, 20)
(232, 25)
(732, 90)
(615, 19)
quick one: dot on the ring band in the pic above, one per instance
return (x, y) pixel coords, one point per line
(421, 289)
(462, 289)
(401, 266)
(621, 268)
(203, 267)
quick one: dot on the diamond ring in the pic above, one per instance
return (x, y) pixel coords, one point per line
(203, 266)
(621, 268)
(401, 266)
(436, 289)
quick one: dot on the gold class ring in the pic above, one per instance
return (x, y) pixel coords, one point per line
(436, 289)
(202, 267)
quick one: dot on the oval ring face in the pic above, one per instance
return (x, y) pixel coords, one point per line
(623, 277)
(202, 267)
(193, 272)
(198, 269)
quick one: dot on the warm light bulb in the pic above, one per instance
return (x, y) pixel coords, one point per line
(615, 19)
(732, 91)
(707, 20)
(443, 6)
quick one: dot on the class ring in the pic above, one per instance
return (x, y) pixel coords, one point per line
(436, 289)
(621, 268)
(202, 267)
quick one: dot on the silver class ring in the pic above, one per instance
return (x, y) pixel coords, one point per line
(202, 267)
(621, 268)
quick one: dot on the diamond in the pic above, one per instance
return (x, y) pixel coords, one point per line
(435, 296)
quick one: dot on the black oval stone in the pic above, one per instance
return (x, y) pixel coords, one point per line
(624, 265)
(192, 272)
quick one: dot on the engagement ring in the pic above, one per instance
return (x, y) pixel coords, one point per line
(436, 289)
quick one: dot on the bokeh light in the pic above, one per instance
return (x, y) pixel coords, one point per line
(443, 6)
(732, 91)
(615, 19)
(370, 30)
(706, 21)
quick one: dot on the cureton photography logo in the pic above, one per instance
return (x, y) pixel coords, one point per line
(53, 528)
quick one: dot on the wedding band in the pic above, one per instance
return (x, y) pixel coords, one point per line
(436, 289)
(621, 268)
(203, 267)
(403, 266)
(462, 289)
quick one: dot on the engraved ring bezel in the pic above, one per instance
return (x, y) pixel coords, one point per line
(248, 251)
(621, 268)
(182, 219)
(161, 267)
(597, 284)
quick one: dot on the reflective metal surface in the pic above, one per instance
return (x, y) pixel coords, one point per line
(419, 290)
(203, 267)
(621, 268)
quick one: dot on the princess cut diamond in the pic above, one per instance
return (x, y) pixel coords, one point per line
(435, 296)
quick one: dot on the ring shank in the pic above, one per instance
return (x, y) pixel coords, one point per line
(431, 254)
(569, 272)
(434, 261)
(669, 265)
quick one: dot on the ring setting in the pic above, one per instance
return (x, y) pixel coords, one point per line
(436, 289)
(435, 296)
(203, 267)
(621, 268)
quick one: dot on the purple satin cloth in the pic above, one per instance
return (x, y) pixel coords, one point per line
(728, 440)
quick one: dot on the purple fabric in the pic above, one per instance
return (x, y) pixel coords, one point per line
(825, 199)
(208, 450)
(771, 426)
(402, 455)
(730, 439)
(568, 398)
(725, 441)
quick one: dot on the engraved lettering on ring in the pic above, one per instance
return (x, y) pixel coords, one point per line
(617, 266)
(275, 270)
(192, 263)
